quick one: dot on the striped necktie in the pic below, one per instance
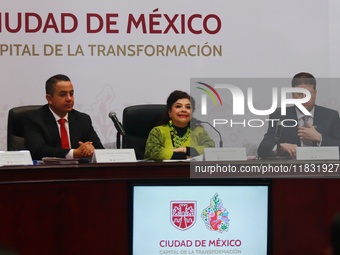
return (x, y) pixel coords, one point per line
(306, 143)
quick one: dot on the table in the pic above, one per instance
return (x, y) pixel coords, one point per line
(85, 209)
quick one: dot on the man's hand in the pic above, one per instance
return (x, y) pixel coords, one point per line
(309, 133)
(289, 148)
(85, 150)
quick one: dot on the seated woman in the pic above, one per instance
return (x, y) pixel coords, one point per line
(174, 139)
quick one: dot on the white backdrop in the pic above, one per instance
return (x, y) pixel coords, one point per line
(259, 39)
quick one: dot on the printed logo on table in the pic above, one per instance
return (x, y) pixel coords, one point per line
(215, 216)
(183, 214)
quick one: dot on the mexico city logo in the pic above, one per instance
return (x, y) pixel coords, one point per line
(183, 214)
(238, 100)
(215, 216)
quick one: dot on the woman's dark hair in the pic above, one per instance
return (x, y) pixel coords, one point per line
(173, 97)
(177, 94)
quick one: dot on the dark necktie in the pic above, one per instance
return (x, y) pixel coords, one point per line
(305, 124)
(63, 134)
(305, 121)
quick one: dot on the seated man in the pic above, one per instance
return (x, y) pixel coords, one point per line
(56, 129)
(320, 129)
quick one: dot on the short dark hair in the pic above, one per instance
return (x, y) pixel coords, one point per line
(49, 86)
(173, 97)
(335, 234)
(303, 78)
(176, 95)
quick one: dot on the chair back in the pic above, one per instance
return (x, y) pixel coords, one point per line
(15, 127)
(138, 120)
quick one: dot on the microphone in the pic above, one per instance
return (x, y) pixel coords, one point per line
(196, 121)
(277, 135)
(117, 123)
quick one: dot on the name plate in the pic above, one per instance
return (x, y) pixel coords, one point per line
(114, 155)
(15, 158)
(225, 154)
(315, 153)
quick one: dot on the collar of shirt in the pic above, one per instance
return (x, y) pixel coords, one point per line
(69, 155)
(57, 117)
(300, 115)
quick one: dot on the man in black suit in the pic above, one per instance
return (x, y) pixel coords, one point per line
(42, 129)
(321, 129)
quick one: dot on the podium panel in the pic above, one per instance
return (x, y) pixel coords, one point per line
(84, 209)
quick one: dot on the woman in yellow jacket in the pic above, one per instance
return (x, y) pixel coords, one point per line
(174, 139)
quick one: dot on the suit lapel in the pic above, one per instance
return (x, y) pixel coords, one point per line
(317, 121)
(52, 127)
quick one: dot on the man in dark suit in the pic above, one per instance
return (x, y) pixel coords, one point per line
(320, 129)
(42, 127)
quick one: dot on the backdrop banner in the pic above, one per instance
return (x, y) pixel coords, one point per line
(121, 53)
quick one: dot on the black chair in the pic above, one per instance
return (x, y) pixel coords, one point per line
(138, 120)
(15, 127)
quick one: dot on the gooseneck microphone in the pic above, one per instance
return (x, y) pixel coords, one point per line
(277, 135)
(117, 123)
(218, 132)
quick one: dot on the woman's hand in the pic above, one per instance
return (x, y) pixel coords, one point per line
(181, 149)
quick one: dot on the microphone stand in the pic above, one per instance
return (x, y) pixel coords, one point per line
(277, 137)
(221, 141)
(118, 141)
(120, 129)
(278, 146)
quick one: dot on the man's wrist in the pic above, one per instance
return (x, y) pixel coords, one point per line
(318, 142)
(69, 155)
